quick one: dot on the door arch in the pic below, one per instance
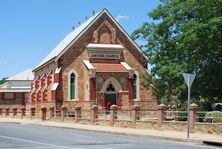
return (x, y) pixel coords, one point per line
(110, 96)
(114, 82)
(111, 87)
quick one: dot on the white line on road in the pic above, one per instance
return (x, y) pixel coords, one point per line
(39, 143)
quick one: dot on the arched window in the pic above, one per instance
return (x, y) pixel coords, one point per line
(134, 86)
(72, 86)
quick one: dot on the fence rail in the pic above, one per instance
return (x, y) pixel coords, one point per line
(134, 114)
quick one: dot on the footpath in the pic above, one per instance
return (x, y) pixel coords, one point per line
(152, 133)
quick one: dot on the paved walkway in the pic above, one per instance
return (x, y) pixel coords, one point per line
(170, 135)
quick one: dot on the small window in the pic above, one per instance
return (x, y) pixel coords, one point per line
(72, 86)
(9, 96)
(134, 86)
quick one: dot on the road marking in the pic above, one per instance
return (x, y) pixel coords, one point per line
(39, 143)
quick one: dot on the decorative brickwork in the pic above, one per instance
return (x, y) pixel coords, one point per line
(55, 87)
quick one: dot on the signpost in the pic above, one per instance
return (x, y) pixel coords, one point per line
(189, 78)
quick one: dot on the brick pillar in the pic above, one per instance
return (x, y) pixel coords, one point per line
(92, 89)
(56, 77)
(168, 111)
(13, 112)
(174, 112)
(135, 114)
(161, 109)
(51, 112)
(22, 112)
(1, 112)
(43, 113)
(193, 111)
(32, 109)
(94, 113)
(77, 113)
(113, 115)
(64, 110)
(7, 112)
(130, 88)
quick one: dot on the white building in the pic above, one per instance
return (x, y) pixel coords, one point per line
(14, 91)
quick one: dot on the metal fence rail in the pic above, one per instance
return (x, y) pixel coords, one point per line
(85, 115)
(147, 115)
(124, 114)
(175, 115)
(209, 116)
(103, 115)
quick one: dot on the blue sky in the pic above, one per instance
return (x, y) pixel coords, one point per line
(30, 29)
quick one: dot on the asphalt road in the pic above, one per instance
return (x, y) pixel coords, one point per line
(38, 137)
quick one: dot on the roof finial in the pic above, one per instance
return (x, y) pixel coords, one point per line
(86, 17)
(93, 12)
(73, 27)
(79, 23)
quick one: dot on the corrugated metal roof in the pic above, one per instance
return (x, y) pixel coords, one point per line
(71, 37)
(103, 67)
(67, 40)
(25, 75)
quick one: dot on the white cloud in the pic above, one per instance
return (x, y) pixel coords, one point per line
(120, 17)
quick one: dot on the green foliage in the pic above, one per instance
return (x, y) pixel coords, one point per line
(218, 118)
(213, 116)
(184, 37)
(3, 80)
(205, 104)
(147, 82)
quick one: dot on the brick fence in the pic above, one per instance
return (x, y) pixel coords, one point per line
(133, 117)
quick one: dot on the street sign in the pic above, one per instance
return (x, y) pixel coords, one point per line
(189, 78)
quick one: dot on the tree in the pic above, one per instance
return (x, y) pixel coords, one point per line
(185, 36)
(3, 81)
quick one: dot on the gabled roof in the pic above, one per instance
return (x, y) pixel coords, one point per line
(75, 34)
(25, 75)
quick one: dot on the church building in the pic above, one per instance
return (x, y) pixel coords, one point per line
(97, 63)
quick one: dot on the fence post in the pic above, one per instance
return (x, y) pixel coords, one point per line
(193, 111)
(7, 111)
(161, 109)
(22, 112)
(77, 113)
(43, 113)
(94, 113)
(113, 115)
(174, 113)
(13, 112)
(32, 110)
(135, 114)
(64, 110)
(51, 112)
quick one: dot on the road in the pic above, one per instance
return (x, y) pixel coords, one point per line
(14, 136)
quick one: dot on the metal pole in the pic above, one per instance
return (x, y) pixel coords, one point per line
(188, 110)
(96, 89)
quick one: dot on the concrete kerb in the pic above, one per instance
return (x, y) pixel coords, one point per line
(131, 134)
(94, 128)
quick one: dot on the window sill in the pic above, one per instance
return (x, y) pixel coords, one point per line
(73, 100)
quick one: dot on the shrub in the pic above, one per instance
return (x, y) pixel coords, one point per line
(218, 118)
(209, 116)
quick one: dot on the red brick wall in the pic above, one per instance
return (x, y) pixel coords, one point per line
(73, 59)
